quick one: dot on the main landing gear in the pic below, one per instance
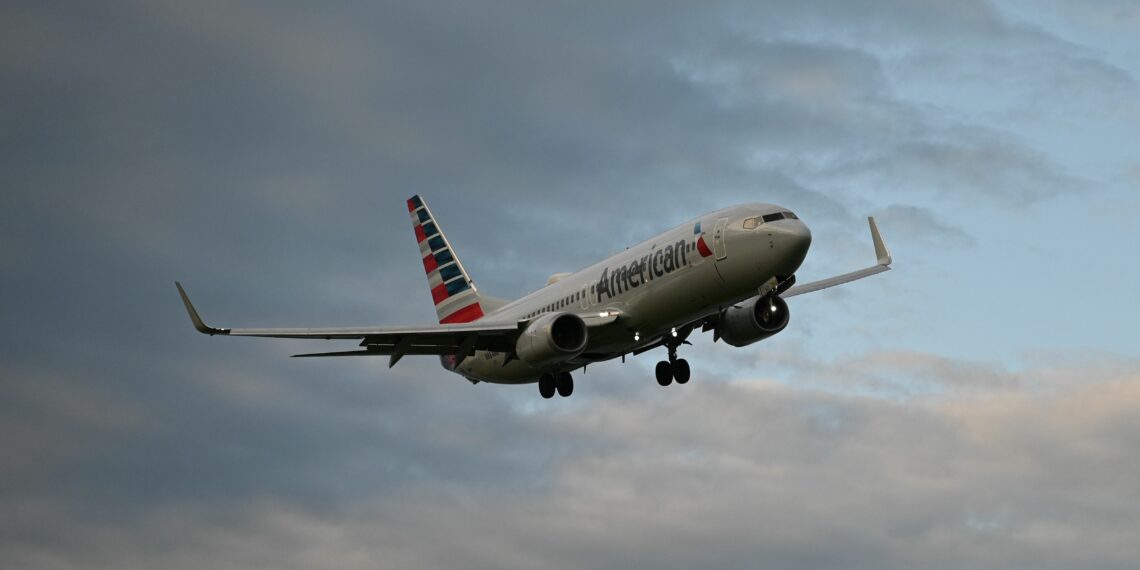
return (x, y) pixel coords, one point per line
(672, 369)
(562, 382)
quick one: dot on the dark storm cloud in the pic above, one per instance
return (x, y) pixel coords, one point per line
(262, 152)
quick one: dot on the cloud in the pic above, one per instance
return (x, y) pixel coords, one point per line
(1099, 15)
(44, 415)
(920, 224)
(261, 153)
(779, 476)
(978, 166)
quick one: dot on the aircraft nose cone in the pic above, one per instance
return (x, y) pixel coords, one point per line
(794, 243)
(800, 238)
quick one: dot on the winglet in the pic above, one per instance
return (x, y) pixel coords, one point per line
(194, 318)
(881, 250)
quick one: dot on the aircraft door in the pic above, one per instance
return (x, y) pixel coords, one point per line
(719, 247)
(585, 304)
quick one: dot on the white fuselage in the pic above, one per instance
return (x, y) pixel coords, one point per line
(668, 281)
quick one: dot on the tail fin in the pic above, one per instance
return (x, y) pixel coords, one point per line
(455, 296)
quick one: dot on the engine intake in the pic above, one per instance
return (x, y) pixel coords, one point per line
(552, 339)
(758, 319)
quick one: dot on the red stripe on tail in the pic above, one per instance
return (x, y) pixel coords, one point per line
(439, 294)
(429, 263)
(467, 314)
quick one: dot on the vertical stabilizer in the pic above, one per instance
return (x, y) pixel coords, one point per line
(456, 299)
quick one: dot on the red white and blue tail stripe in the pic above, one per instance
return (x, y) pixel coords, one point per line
(456, 299)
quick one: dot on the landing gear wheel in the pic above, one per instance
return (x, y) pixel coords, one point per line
(546, 386)
(681, 371)
(565, 384)
(664, 373)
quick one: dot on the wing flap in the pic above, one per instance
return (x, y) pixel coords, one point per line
(339, 353)
(374, 350)
(431, 333)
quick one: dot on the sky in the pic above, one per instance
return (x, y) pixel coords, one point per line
(976, 407)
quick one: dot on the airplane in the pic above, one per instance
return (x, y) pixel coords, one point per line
(728, 272)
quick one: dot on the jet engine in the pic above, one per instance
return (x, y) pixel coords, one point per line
(757, 319)
(552, 339)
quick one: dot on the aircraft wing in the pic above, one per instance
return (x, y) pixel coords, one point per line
(398, 341)
(458, 339)
(883, 263)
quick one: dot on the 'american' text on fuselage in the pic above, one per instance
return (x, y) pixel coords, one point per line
(651, 266)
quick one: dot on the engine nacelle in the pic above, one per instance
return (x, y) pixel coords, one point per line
(756, 320)
(552, 339)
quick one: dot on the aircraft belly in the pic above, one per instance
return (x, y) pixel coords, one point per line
(487, 366)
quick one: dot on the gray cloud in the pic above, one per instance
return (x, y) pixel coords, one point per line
(261, 153)
(781, 476)
(913, 223)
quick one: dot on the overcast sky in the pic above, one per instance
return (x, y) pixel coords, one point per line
(977, 407)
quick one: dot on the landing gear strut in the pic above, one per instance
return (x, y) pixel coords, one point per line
(672, 369)
(561, 382)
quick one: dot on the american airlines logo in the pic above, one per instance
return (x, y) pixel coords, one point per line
(651, 266)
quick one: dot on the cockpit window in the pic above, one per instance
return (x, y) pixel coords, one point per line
(780, 216)
(753, 223)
